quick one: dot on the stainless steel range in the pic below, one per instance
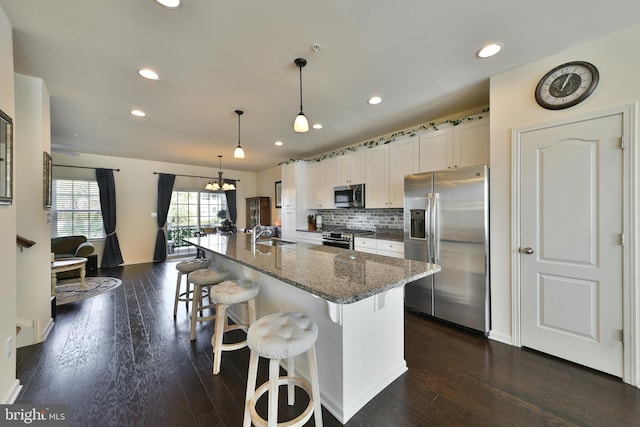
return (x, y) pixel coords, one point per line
(343, 238)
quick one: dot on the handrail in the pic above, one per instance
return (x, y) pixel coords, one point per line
(23, 242)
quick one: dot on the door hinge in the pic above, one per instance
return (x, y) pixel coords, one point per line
(621, 239)
(620, 334)
(622, 142)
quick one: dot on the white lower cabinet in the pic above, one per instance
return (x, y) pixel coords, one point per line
(363, 244)
(309, 237)
(389, 248)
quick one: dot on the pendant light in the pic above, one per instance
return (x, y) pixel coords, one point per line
(238, 153)
(219, 184)
(301, 124)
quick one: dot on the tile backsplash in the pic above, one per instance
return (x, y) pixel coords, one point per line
(363, 219)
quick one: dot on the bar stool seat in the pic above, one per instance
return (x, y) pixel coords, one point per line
(184, 268)
(225, 294)
(203, 279)
(275, 337)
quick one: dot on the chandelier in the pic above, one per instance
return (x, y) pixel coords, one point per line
(219, 184)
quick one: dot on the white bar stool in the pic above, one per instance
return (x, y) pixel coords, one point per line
(226, 294)
(184, 268)
(282, 336)
(201, 279)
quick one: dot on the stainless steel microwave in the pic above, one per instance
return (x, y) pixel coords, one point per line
(349, 196)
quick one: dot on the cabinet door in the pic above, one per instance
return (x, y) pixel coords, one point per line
(289, 224)
(326, 183)
(404, 159)
(350, 168)
(314, 186)
(377, 185)
(436, 150)
(471, 146)
(289, 186)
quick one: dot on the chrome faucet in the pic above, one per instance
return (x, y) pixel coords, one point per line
(257, 234)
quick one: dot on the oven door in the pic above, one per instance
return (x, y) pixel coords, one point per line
(336, 243)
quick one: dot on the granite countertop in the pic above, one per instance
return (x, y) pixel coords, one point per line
(338, 275)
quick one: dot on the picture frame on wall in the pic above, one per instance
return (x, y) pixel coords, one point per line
(278, 195)
(47, 179)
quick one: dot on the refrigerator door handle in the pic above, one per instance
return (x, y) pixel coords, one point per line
(428, 226)
(434, 227)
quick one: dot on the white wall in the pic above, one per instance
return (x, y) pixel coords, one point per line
(136, 195)
(32, 137)
(513, 105)
(265, 186)
(9, 385)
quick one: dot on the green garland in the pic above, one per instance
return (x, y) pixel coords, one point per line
(431, 126)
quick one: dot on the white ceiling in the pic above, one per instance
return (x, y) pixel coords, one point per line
(214, 57)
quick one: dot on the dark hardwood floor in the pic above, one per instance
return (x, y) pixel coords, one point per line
(120, 359)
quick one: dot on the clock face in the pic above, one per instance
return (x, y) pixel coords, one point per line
(567, 85)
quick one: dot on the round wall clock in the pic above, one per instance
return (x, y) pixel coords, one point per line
(567, 85)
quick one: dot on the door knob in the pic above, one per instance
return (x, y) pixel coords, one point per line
(527, 250)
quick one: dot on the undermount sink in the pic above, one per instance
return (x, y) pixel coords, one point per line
(273, 242)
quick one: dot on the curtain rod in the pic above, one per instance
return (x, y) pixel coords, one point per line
(85, 167)
(194, 176)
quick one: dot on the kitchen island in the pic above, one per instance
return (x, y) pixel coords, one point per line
(357, 300)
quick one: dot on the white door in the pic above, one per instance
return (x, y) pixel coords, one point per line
(571, 280)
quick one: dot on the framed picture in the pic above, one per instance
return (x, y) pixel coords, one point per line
(278, 194)
(47, 176)
(6, 159)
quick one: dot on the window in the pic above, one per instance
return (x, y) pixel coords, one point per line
(190, 211)
(75, 209)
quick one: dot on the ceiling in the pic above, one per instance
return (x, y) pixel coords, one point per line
(214, 57)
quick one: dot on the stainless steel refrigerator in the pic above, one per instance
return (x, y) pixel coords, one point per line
(446, 221)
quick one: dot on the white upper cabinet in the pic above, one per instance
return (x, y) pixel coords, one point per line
(350, 168)
(386, 167)
(471, 145)
(404, 159)
(377, 186)
(454, 147)
(320, 182)
(434, 149)
(289, 186)
(328, 181)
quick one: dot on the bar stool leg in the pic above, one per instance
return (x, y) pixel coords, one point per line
(175, 304)
(251, 387)
(197, 303)
(291, 388)
(220, 326)
(274, 373)
(315, 386)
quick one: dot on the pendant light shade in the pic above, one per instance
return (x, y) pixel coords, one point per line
(238, 153)
(219, 184)
(301, 124)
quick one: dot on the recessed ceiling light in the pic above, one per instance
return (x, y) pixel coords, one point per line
(278, 143)
(374, 100)
(317, 126)
(170, 4)
(138, 113)
(148, 73)
(489, 50)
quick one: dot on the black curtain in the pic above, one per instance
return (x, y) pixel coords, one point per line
(165, 188)
(231, 202)
(112, 257)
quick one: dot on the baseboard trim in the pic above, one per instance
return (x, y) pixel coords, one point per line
(47, 330)
(13, 394)
(505, 339)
